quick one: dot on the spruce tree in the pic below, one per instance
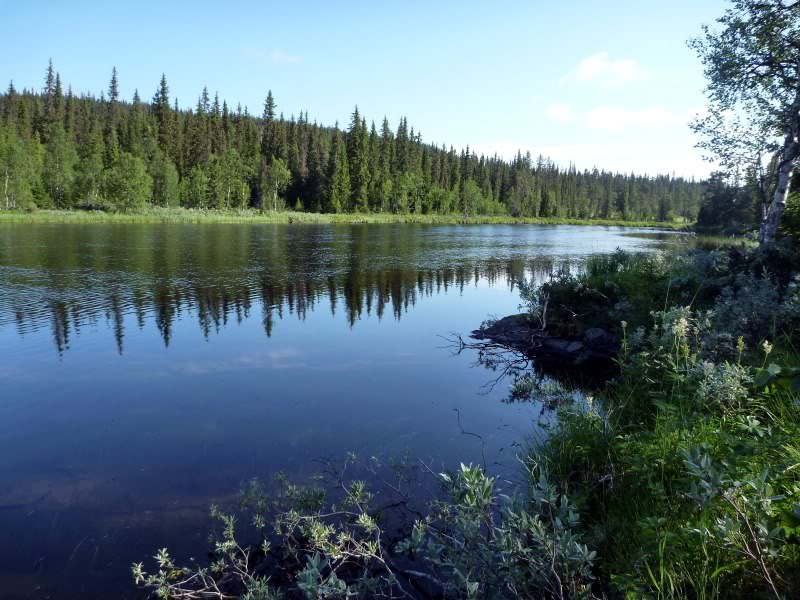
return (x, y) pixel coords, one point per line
(218, 158)
(165, 122)
(10, 108)
(337, 188)
(112, 120)
(49, 100)
(316, 182)
(268, 127)
(358, 160)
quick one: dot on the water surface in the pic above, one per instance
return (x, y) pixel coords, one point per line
(147, 370)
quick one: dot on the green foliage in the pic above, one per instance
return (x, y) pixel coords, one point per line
(473, 200)
(19, 165)
(319, 547)
(748, 308)
(185, 214)
(232, 180)
(194, 188)
(747, 509)
(58, 172)
(166, 185)
(751, 66)
(332, 541)
(337, 180)
(787, 378)
(58, 159)
(611, 289)
(749, 294)
(358, 161)
(728, 204)
(791, 219)
(484, 545)
(685, 467)
(126, 184)
(275, 178)
(89, 173)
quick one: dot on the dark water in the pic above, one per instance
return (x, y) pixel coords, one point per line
(148, 370)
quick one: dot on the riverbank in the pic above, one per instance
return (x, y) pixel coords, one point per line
(185, 215)
(678, 479)
(684, 469)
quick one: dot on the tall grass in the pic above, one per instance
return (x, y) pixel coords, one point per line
(185, 215)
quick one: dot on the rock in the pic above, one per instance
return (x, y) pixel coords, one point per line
(596, 348)
(511, 330)
(601, 340)
(562, 347)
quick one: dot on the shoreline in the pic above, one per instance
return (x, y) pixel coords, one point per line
(183, 215)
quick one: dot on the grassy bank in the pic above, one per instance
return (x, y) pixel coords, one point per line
(686, 469)
(184, 215)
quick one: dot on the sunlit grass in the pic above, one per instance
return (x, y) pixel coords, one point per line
(185, 215)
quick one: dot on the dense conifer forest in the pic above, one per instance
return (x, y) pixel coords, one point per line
(62, 150)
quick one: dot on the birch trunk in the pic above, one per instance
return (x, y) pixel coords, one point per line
(778, 204)
(789, 155)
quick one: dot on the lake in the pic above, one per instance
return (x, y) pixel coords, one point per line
(147, 371)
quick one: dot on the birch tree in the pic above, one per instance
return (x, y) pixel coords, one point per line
(274, 181)
(752, 64)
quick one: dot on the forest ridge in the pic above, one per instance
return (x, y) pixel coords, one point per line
(62, 150)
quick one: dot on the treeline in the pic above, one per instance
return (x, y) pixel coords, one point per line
(735, 201)
(61, 150)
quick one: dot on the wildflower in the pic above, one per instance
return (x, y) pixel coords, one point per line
(681, 327)
(767, 347)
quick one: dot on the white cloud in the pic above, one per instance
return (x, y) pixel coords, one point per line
(288, 358)
(600, 69)
(276, 56)
(559, 112)
(617, 118)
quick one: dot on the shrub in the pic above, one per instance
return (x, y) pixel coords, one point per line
(748, 308)
(474, 543)
(482, 545)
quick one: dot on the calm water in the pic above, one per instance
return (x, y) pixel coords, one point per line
(147, 370)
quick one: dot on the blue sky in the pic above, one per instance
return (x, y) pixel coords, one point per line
(608, 84)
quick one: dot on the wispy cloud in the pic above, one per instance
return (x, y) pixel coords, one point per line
(276, 56)
(617, 118)
(601, 69)
(559, 112)
(287, 358)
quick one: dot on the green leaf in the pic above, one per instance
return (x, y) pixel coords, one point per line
(761, 378)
